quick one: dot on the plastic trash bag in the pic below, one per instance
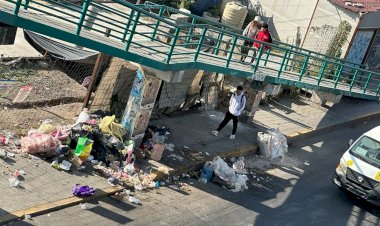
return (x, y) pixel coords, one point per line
(272, 144)
(39, 143)
(108, 125)
(239, 167)
(81, 191)
(222, 170)
(207, 171)
(240, 183)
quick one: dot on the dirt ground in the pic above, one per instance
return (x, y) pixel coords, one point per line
(49, 87)
(20, 121)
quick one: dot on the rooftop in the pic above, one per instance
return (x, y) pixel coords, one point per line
(358, 5)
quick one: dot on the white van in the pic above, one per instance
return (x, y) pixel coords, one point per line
(359, 169)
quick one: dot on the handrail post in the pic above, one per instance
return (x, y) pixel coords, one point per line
(304, 66)
(338, 74)
(200, 44)
(322, 71)
(378, 89)
(85, 6)
(258, 58)
(132, 31)
(282, 63)
(157, 23)
(188, 39)
(267, 57)
(220, 36)
(353, 79)
(17, 9)
(366, 84)
(128, 24)
(287, 59)
(172, 44)
(26, 4)
(231, 52)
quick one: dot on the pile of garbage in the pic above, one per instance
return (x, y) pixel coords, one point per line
(272, 144)
(218, 171)
(153, 143)
(96, 141)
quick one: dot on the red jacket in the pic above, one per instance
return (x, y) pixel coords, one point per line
(263, 36)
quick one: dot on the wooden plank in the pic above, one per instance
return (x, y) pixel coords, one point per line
(59, 204)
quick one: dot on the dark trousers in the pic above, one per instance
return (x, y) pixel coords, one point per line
(228, 118)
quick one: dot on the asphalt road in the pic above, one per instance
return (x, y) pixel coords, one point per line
(300, 193)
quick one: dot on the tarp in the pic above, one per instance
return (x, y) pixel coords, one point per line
(57, 49)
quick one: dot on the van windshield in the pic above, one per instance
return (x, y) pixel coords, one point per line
(368, 150)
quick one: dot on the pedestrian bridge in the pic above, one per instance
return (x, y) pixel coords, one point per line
(166, 39)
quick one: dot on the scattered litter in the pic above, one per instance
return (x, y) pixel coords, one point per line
(126, 192)
(186, 147)
(236, 181)
(111, 181)
(28, 217)
(3, 154)
(22, 172)
(174, 156)
(84, 206)
(49, 215)
(238, 166)
(14, 182)
(207, 153)
(169, 147)
(175, 187)
(65, 165)
(207, 172)
(81, 191)
(134, 200)
(11, 155)
(307, 163)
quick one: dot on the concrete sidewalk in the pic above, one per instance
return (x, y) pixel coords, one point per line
(295, 117)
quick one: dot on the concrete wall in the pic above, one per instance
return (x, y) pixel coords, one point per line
(328, 14)
(285, 16)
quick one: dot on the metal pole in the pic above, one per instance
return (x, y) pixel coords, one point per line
(92, 81)
(308, 26)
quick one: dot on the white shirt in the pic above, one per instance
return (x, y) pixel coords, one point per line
(237, 104)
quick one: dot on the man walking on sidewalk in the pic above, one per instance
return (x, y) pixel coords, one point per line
(237, 104)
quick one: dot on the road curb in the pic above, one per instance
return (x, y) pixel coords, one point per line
(58, 204)
(253, 149)
(292, 138)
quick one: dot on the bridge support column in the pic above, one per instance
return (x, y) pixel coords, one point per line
(254, 96)
(115, 87)
(321, 98)
(140, 103)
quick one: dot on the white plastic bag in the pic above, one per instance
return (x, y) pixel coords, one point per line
(222, 170)
(272, 144)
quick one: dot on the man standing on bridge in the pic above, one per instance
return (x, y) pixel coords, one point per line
(237, 104)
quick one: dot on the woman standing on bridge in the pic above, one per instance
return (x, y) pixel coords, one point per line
(251, 32)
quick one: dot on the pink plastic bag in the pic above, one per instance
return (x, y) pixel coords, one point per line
(38, 143)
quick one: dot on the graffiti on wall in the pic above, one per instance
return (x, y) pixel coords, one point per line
(359, 47)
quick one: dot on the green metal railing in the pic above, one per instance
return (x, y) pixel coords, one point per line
(149, 35)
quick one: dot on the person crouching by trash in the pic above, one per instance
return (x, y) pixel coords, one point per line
(237, 105)
(263, 36)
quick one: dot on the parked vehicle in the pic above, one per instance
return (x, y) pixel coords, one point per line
(359, 168)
